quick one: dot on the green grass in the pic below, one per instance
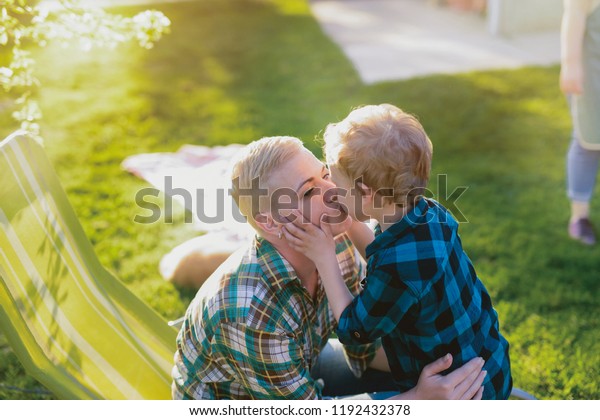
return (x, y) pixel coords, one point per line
(232, 72)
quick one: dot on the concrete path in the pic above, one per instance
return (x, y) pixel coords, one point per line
(400, 39)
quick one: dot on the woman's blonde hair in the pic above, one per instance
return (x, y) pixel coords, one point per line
(383, 147)
(252, 171)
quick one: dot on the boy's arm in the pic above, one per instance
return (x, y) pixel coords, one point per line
(319, 245)
(382, 304)
(380, 361)
(572, 32)
(338, 294)
(361, 235)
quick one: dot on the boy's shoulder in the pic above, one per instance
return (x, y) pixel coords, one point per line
(428, 221)
(437, 213)
(430, 225)
(422, 245)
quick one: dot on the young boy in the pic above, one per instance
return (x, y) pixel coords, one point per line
(421, 293)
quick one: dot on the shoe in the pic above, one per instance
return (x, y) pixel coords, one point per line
(582, 230)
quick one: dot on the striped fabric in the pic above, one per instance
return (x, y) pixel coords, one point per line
(74, 326)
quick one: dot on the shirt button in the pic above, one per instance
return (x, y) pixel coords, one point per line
(356, 334)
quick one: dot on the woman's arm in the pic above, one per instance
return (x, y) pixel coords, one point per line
(268, 365)
(572, 32)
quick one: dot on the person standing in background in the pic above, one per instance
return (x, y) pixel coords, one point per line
(580, 81)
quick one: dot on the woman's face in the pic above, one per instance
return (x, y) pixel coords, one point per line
(304, 183)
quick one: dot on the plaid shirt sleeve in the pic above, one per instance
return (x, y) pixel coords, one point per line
(379, 308)
(268, 365)
(358, 356)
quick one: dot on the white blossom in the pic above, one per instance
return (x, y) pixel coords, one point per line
(69, 24)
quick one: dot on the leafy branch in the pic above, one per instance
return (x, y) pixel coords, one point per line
(24, 26)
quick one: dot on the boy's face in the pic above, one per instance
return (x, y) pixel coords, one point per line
(348, 195)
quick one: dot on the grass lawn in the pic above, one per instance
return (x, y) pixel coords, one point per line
(234, 71)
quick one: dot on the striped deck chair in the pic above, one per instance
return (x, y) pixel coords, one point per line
(74, 327)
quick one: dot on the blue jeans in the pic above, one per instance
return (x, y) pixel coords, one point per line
(582, 168)
(340, 382)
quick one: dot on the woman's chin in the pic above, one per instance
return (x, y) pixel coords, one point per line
(342, 226)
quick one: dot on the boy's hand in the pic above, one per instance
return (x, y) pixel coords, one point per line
(318, 245)
(314, 242)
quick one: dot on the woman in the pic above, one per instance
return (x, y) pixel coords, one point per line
(259, 327)
(580, 81)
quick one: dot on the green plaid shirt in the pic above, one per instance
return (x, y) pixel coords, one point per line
(254, 332)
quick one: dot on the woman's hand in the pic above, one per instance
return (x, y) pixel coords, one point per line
(465, 383)
(571, 79)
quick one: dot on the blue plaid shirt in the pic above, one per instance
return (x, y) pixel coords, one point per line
(424, 299)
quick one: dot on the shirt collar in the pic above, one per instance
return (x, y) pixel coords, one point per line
(273, 265)
(280, 272)
(417, 216)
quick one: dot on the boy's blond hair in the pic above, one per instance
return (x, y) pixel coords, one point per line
(253, 169)
(383, 147)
